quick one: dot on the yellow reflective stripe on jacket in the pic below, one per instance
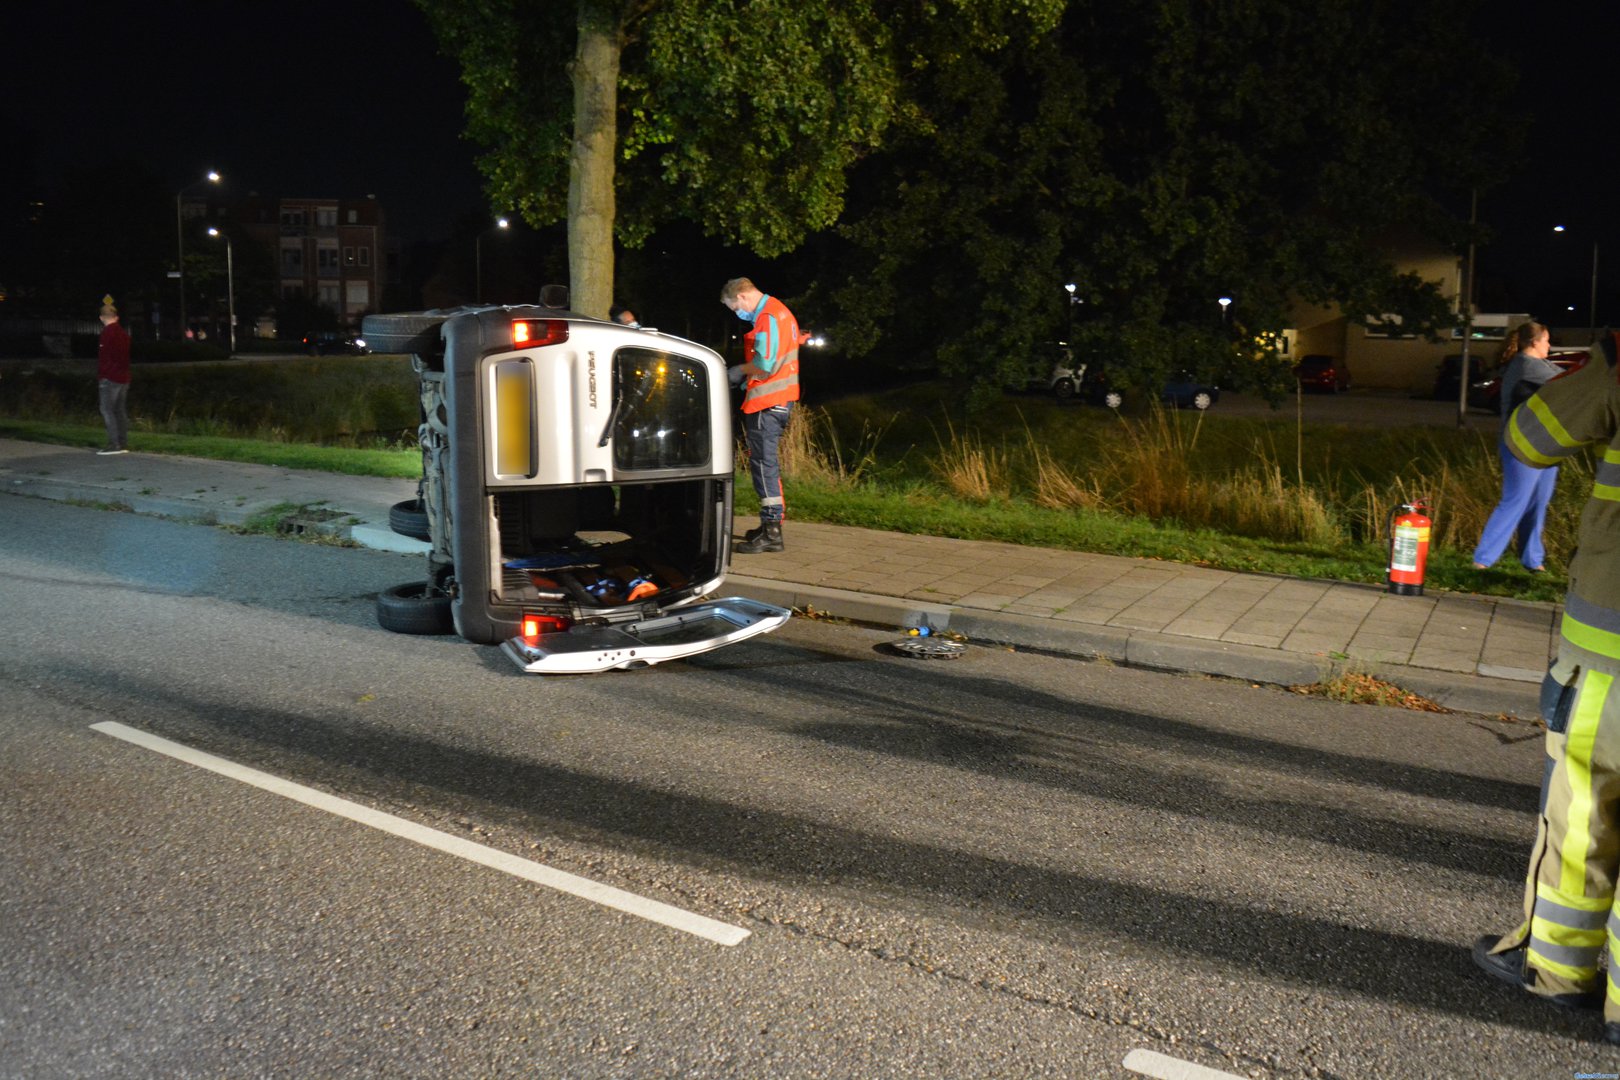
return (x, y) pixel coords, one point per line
(1538, 436)
(1606, 477)
(1581, 633)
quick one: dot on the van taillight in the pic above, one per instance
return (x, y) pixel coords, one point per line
(535, 625)
(531, 333)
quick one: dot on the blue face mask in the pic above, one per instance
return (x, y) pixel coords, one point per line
(745, 316)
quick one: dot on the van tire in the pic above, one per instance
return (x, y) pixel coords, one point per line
(415, 608)
(408, 332)
(408, 518)
(1063, 389)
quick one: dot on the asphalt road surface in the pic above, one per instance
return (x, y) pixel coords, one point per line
(830, 861)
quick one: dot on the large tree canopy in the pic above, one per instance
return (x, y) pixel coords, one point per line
(1160, 154)
(743, 116)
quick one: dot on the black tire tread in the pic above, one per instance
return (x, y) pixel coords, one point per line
(408, 518)
(417, 607)
(416, 333)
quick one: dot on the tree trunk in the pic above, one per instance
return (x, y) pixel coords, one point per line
(592, 161)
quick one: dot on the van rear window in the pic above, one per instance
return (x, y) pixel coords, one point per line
(661, 411)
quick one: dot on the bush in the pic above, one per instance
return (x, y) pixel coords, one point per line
(344, 401)
(173, 352)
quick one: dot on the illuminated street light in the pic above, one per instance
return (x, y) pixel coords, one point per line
(180, 243)
(1591, 310)
(230, 284)
(1225, 302)
(478, 257)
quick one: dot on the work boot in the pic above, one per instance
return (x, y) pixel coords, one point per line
(753, 534)
(769, 538)
(1508, 967)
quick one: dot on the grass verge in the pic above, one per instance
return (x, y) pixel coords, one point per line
(1234, 494)
(349, 461)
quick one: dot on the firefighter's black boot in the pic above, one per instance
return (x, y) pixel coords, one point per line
(769, 539)
(753, 534)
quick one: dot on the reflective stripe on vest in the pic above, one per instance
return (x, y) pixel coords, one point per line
(782, 384)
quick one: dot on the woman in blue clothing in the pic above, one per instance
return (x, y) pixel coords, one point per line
(1525, 491)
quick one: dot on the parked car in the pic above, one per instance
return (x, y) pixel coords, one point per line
(335, 343)
(576, 489)
(1485, 384)
(1319, 371)
(1185, 392)
(1057, 372)
(1182, 391)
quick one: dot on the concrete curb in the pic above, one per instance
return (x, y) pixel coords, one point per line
(365, 534)
(1145, 649)
(1497, 690)
(155, 505)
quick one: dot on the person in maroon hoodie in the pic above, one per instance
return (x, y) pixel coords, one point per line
(112, 370)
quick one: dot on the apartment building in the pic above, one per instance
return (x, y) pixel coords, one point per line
(332, 251)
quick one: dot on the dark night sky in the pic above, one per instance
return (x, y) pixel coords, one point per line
(341, 98)
(1569, 83)
(322, 98)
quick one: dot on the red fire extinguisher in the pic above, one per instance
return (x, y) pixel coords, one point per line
(1408, 527)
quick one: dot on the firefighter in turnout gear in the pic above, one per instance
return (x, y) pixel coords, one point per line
(1570, 916)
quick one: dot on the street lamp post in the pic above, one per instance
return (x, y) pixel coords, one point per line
(1225, 302)
(180, 243)
(1591, 304)
(478, 258)
(1465, 301)
(230, 285)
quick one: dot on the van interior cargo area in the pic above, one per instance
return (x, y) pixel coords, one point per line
(607, 545)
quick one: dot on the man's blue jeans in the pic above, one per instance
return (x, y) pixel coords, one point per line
(114, 396)
(764, 429)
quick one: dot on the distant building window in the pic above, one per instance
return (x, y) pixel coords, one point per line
(292, 260)
(354, 216)
(326, 258)
(293, 217)
(292, 292)
(326, 217)
(329, 293)
(365, 256)
(348, 256)
(1387, 326)
(359, 295)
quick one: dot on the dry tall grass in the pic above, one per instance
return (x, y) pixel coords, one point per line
(1056, 488)
(1152, 467)
(811, 453)
(970, 470)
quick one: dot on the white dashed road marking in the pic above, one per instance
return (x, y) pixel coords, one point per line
(1162, 1067)
(640, 906)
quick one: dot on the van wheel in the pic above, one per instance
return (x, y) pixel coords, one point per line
(408, 518)
(415, 608)
(1202, 400)
(1063, 389)
(407, 332)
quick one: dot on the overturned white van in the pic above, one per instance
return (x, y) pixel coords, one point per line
(576, 489)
